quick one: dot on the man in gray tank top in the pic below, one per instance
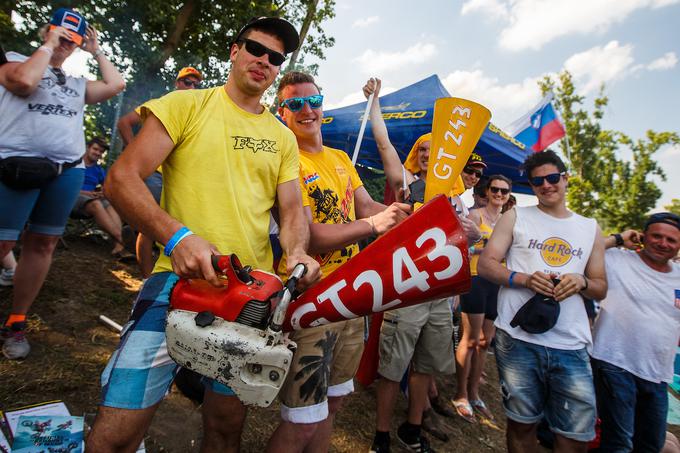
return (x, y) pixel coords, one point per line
(554, 258)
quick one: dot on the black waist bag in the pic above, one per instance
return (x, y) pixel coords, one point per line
(23, 173)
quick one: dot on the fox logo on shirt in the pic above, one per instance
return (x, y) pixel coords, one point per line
(255, 144)
(677, 298)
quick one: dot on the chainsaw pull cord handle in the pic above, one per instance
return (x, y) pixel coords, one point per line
(279, 314)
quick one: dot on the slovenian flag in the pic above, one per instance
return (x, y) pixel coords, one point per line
(540, 127)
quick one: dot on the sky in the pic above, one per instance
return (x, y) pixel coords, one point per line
(494, 52)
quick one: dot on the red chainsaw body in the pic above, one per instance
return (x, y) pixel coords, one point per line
(228, 301)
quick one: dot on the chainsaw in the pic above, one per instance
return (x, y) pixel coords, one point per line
(233, 334)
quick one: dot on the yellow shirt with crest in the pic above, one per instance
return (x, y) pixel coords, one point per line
(328, 181)
(220, 179)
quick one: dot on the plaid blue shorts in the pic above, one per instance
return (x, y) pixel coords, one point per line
(140, 371)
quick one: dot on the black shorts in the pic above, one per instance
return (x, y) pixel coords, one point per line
(482, 298)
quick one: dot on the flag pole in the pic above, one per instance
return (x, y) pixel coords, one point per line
(362, 129)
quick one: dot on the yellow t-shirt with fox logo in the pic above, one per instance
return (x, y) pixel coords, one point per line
(220, 180)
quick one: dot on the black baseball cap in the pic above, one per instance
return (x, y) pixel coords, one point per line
(668, 218)
(281, 27)
(538, 315)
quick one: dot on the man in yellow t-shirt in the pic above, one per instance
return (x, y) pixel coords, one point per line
(340, 213)
(188, 78)
(226, 162)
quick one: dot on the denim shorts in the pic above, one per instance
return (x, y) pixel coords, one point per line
(538, 381)
(140, 371)
(46, 210)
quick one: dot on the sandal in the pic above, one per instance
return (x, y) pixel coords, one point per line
(481, 407)
(464, 409)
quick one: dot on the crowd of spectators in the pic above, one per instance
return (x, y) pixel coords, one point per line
(534, 268)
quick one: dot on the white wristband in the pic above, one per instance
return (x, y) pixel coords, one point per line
(97, 53)
(47, 50)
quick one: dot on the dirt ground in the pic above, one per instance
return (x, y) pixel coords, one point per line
(70, 349)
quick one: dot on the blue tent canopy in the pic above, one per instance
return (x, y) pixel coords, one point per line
(408, 114)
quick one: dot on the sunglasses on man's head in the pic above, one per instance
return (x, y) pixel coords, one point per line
(256, 49)
(473, 171)
(552, 178)
(59, 74)
(191, 83)
(296, 104)
(502, 190)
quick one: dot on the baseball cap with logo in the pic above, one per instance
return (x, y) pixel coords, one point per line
(539, 314)
(281, 27)
(476, 159)
(189, 71)
(71, 21)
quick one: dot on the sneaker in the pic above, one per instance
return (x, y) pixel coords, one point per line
(379, 448)
(7, 277)
(15, 345)
(418, 444)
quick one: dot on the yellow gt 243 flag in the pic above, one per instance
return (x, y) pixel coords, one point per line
(456, 128)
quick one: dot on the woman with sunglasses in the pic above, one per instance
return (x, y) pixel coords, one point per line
(479, 308)
(41, 147)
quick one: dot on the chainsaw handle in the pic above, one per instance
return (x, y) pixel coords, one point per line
(279, 314)
(299, 271)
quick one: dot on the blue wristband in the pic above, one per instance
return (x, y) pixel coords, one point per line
(510, 282)
(176, 239)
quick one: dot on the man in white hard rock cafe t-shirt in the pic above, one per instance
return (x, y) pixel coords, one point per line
(546, 375)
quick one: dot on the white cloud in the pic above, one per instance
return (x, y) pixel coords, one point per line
(599, 65)
(506, 102)
(670, 151)
(365, 22)
(379, 62)
(530, 24)
(494, 9)
(668, 61)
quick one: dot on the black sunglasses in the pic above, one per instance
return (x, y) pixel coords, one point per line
(59, 74)
(256, 49)
(552, 178)
(473, 171)
(502, 190)
(191, 83)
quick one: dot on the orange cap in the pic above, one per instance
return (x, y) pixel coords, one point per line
(189, 71)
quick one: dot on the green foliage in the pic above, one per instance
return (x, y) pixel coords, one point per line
(674, 207)
(149, 40)
(617, 192)
(375, 186)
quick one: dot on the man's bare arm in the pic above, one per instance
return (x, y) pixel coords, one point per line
(126, 124)
(394, 172)
(294, 231)
(372, 218)
(593, 284)
(126, 190)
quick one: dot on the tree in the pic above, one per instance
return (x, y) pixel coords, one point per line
(615, 191)
(674, 207)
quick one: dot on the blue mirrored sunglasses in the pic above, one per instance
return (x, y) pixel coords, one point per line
(296, 104)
